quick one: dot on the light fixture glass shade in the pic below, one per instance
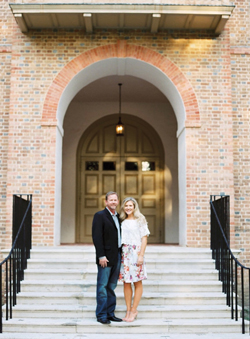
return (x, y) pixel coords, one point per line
(119, 128)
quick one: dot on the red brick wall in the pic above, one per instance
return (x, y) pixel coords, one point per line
(4, 122)
(240, 68)
(6, 20)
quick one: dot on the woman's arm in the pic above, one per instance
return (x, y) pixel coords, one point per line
(144, 241)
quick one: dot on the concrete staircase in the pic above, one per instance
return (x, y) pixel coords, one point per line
(182, 298)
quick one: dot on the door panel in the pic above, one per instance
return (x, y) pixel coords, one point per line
(131, 141)
(91, 184)
(109, 183)
(147, 146)
(91, 203)
(93, 146)
(148, 184)
(109, 140)
(131, 184)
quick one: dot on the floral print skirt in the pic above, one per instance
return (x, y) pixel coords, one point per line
(130, 272)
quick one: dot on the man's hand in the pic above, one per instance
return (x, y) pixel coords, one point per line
(103, 262)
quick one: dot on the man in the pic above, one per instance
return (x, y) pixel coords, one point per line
(106, 234)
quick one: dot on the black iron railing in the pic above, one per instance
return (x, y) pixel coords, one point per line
(13, 266)
(231, 271)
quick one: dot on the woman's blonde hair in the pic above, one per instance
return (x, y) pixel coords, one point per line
(137, 213)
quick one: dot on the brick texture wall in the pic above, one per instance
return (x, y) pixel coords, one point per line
(240, 70)
(217, 150)
(40, 56)
(6, 21)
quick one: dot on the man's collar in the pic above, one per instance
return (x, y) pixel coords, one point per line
(111, 212)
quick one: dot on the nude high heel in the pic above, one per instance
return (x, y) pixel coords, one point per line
(126, 316)
(132, 316)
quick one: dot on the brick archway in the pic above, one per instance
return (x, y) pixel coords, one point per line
(121, 50)
(132, 60)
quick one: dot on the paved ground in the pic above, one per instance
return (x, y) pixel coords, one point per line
(122, 336)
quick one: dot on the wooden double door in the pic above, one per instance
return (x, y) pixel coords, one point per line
(130, 165)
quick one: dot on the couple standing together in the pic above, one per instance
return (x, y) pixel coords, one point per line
(120, 242)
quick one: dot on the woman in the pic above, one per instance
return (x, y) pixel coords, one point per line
(134, 241)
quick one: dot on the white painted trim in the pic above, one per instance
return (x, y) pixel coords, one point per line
(120, 8)
(182, 188)
(58, 186)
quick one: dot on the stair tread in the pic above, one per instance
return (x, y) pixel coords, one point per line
(148, 259)
(76, 270)
(150, 248)
(144, 308)
(123, 336)
(145, 282)
(121, 294)
(138, 322)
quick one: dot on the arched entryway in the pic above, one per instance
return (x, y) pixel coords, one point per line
(131, 165)
(123, 59)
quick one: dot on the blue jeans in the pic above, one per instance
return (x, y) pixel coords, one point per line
(107, 278)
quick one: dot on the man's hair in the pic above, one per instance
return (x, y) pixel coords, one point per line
(110, 193)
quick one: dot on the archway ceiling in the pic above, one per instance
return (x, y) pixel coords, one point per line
(151, 17)
(133, 90)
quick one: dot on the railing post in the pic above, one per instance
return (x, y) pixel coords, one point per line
(10, 290)
(249, 298)
(1, 302)
(14, 277)
(228, 277)
(236, 293)
(6, 282)
(232, 289)
(18, 271)
(243, 301)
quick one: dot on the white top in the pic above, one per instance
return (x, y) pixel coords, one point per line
(134, 230)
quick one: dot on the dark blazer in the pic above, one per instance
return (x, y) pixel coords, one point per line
(105, 237)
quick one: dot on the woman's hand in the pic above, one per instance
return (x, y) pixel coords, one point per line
(142, 250)
(140, 260)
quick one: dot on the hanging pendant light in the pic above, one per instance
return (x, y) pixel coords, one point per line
(119, 127)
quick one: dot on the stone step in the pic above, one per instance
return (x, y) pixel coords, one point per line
(151, 264)
(153, 312)
(148, 286)
(58, 298)
(103, 335)
(89, 298)
(90, 274)
(88, 252)
(83, 326)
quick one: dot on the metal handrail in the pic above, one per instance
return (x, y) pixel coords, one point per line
(228, 265)
(16, 261)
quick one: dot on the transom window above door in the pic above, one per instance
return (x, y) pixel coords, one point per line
(108, 166)
(148, 166)
(92, 165)
(131, 166)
